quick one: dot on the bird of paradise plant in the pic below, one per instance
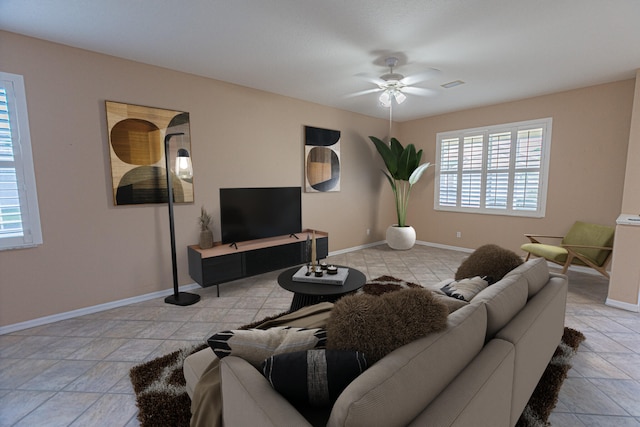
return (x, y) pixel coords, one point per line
(403, 171)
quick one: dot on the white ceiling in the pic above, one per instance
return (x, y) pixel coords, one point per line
(318, 50)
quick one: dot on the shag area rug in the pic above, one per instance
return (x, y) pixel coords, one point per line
(162, 398)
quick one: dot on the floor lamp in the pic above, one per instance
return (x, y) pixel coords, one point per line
(183, 170)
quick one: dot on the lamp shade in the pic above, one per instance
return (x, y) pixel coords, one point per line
(385, 99)
(184, 169)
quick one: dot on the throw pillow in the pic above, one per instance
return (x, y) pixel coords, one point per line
(314, 377)
(490, 261)
(465, 289)
(255, 345)
(377, 325)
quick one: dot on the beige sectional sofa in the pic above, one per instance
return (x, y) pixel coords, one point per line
(480, 371)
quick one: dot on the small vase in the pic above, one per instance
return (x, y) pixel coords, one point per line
(206, 239)
(401, 238)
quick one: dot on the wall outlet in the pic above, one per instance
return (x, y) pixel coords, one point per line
(368, 231)
(458, 234)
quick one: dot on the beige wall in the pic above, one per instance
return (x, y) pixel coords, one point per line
(95, 253)
(624, 286)
(588, 155)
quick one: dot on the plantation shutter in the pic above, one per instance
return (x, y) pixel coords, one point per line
(19, 216)
(501, 169)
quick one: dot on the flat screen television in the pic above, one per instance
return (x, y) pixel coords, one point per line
(256, 213)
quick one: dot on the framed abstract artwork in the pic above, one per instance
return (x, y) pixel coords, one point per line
(136, 146)
(321, 159)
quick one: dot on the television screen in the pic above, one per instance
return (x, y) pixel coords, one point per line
(256, 213)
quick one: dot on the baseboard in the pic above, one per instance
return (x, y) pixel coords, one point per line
(356, 248)
(90, 310)
(440, 246)
(623, 305)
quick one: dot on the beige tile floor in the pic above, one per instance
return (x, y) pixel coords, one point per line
(75, 372)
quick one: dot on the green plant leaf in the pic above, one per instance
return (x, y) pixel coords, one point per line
(417, 173)
(387, 154)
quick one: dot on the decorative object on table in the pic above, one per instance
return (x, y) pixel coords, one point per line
(335, 276)
(403, 171)
(136, 149)
(183, 169)
(322, 160)
(206, 235)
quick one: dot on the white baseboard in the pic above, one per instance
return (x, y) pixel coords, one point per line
(623, 305)
(438, 245)
(90, 310)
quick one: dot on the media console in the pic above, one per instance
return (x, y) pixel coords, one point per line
(224, 263)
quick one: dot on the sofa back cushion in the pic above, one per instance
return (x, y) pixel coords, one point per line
(536, 273)
(401, 384)
(503, 300)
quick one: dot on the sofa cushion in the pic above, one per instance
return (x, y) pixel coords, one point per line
(490, 261)
(255, 345)
(314, 377)
(535, 271)
(376, 325)
(465, 289)
(503, 300)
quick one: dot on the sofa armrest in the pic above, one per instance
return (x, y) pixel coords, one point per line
(249, 400)
(535, 332)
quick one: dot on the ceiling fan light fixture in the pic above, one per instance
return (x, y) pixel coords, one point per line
(400, 97)
(385, 99)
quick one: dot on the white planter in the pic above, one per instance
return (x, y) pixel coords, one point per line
(401, 238)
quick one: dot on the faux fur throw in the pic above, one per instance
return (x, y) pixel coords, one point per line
(377, 325)
(384, 284)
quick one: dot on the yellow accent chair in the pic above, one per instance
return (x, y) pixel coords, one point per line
(585, 244)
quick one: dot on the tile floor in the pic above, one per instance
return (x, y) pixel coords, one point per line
(75, 372)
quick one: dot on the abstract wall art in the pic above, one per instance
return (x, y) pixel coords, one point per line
(136, 146)
(322, 159)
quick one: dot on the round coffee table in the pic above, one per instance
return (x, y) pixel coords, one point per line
(305, 294)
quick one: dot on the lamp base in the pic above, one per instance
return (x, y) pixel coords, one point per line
(184, 298)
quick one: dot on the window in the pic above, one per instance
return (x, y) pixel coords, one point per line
(19, 215)
(495, 170)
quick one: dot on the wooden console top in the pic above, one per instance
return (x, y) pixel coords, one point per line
(220, 248)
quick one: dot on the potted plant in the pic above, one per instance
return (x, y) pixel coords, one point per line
(403, 170)
(206, 235)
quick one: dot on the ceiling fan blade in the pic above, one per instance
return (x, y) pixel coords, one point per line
(363, 92)
(421, 77)
(371, 79)
(420, 91)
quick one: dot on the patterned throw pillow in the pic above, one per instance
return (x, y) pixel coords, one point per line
(314, 377)
(255, 345)
(465, 289)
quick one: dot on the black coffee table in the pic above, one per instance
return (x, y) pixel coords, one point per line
(305, 294)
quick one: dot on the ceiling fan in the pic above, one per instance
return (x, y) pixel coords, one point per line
(395, 86)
